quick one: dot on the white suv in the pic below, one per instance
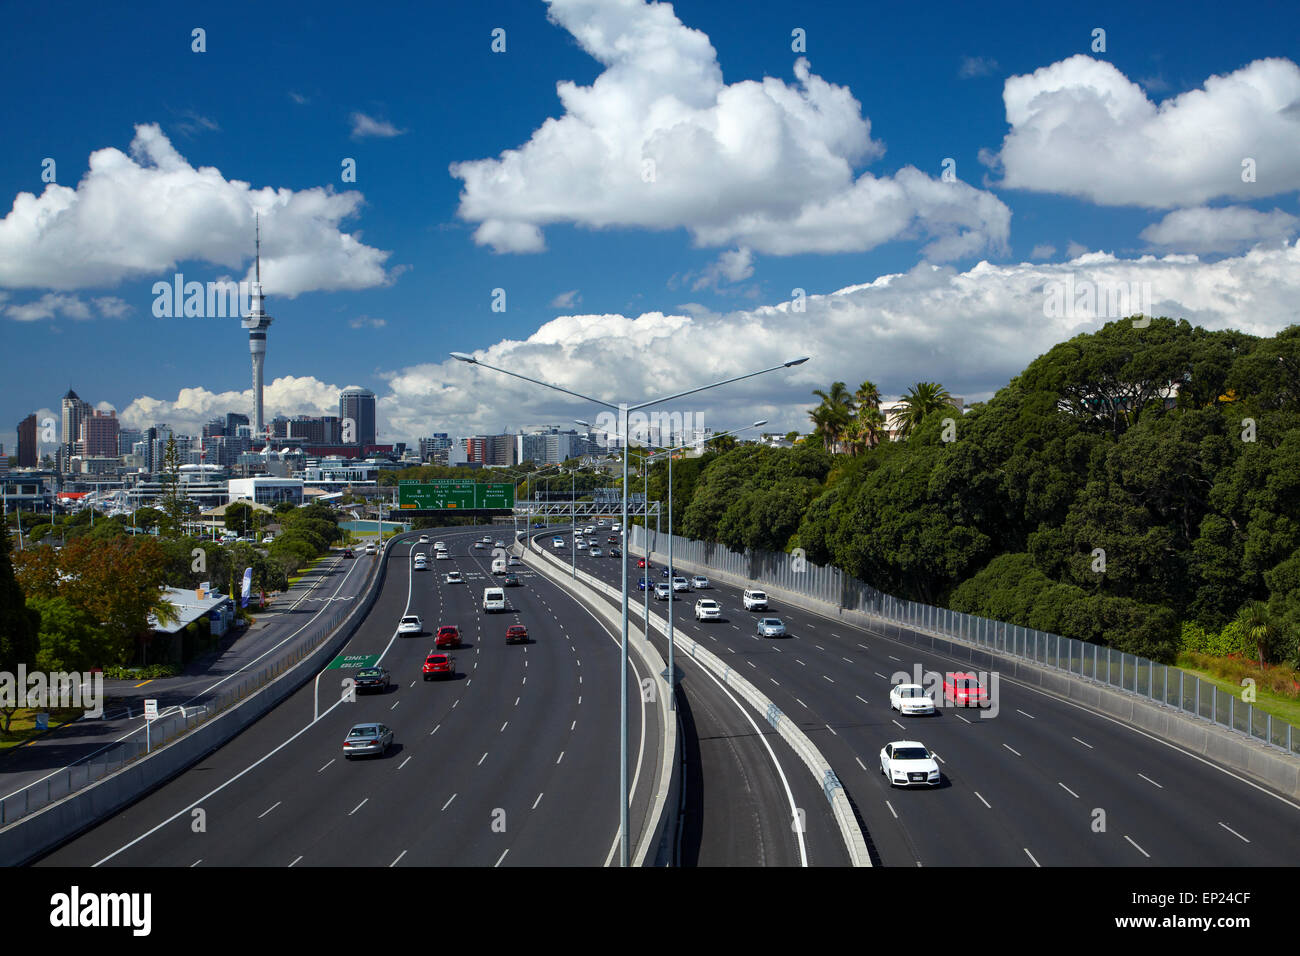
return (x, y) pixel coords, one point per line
(755, 600)
(707, 610)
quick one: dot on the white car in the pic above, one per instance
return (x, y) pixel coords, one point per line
(486, 539)
(370, 549)
(424, 539)
(453, 577)
(707, 609)
(755, 600)
(421, 562)
(411, 624)
(681, 584)
(910, 699)
(595, 552)
(479, 545)
(907, 763)
(700, 582)
(441, 555)
(661, 592)
(557, 542)
(771, 627)
(513, 560)
(499, 544)
(267, 539)
(581, 545)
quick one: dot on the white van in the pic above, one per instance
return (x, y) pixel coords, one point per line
(494, 599)
(498, 565)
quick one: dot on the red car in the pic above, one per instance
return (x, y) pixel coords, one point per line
(964, 690)
(439, 665)
(516, 632)
(640, 562)
(448, 636)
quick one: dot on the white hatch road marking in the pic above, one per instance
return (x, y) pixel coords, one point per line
(1031, 717)
(332, 759)
(1084, 742)
(448, 803)
(399, 856)
(1067, 790)
(981, 799)
(405, 762)
(1138, 848)
(1031, 857)
(359, 806)
(295, 861)
(1012, 749)
(268, 809)
(891, 809)
(1233, 832)
(537, 801)
(1150, 781)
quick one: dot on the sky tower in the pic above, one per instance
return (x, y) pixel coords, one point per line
(257, 322)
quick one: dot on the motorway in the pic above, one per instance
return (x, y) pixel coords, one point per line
(748, 800)
(513, 762)
(1045, 782)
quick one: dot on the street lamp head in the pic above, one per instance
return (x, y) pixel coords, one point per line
(798, 361)
(759, 424)
(579, 421)
(463, 357)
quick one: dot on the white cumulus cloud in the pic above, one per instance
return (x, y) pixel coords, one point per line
(1082, 128)
(1226, 229)
(139, 215)
(659, 141)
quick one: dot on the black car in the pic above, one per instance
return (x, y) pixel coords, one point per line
(615, 553)
(511, 580)
(669, 573)
(347, 553)
(373, 678)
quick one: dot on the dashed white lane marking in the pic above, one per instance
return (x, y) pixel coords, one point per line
(824, 677)
(864, 647)
(1233, 832)
(399, 856)
(831, 729)
(395, 703)
(454, 703)
(861, 764)
(405, 762)
(752, 664)
(897, 724)
(1013, 750)
(893, 658)
(572, 725)
(322, 768)
(560, 757)
(891, 809)
(800, 663)
(196, 863)
(1031, 857)
(434, 731)
(863, 699)
(775, 681)
(819, 647)
(412, 684)
(268, 809)
(1150, 781)
(981, 799)
(880, 675)
(1031, 717)
(359, 806)
(579, 698)
(1085, 743)
(501, 857)
(961, 718)
(503, 727)
(537, 801)
(448, 803)
(801, 703)
(1067, 790)
(295, 861)
(516, 701)
(1138, 848)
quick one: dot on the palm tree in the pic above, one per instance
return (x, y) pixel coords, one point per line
(869, 426)
(1257, 627)
(832, 417)
(922, 400)
(867, 396)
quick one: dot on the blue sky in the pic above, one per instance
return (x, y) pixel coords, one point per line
(275, 102)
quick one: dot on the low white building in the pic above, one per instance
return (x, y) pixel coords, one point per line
(265, 490)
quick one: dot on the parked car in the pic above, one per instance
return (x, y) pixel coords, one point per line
(700, 582)
(907, 763)
(366, 739)
(516, 634)
(448, 636)
(439, 665)
(910, 699)
(771, 627)
(411, 624)
(707, 609)
(754, 600)
(372, 678)
(964, 690)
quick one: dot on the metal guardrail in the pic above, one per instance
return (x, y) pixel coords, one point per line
(167, 727)
(1162, 683)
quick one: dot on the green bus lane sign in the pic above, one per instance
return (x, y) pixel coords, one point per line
(353, 661)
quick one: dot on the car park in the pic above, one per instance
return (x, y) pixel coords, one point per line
(908, 763)
(771, 627)
(681, 584)
(754, 600)
(372, 678)
(439, 665)
(516, 634)
(964, 690)
(910, 699)
(365, 739)
(661, 592)
(411, 624)
(454, 577)
(700, 582)
(448, 636)
(707, 609)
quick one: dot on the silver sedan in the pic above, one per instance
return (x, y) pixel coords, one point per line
(364, 739)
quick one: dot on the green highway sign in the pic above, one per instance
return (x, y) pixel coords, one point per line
(353, 661)
(454, 493)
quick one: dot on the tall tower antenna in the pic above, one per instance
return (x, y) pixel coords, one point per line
(257, 322)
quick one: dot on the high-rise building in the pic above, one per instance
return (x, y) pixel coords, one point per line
(257, 322)
(126, 438)
(74, 412)
(357, 412)
(27, 442)
(98, 436)
(434, 448)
